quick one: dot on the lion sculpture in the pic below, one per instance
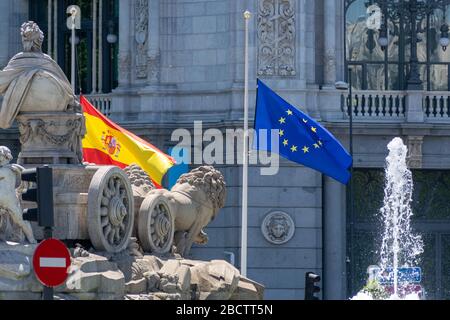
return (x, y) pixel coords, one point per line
(9, 200)
(195, 201)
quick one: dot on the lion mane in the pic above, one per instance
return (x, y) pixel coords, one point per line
(210, 181)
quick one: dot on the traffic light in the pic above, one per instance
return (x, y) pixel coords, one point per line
(42, 194)
(310, 286)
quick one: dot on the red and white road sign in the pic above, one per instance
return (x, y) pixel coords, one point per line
(51, 262)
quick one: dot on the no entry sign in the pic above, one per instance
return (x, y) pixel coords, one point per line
(51, 262)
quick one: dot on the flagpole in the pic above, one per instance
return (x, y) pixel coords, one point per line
(247, 16)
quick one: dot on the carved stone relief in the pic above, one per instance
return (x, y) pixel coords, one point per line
(278, 227)
(276, 35)
(141, 36)
(414, 158)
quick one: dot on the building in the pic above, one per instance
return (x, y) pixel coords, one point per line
(155, 66)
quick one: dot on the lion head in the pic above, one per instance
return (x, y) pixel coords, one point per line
(210, 181)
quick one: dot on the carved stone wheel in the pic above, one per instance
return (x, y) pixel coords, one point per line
(156, 224)
(110, 210)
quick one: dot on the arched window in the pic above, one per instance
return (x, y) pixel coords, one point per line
(380, 44)
(97, 43)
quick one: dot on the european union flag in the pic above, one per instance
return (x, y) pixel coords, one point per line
(302, 139)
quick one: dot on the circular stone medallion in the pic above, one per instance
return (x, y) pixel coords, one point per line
(278, 227)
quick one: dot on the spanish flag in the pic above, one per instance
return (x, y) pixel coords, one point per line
(107, 143)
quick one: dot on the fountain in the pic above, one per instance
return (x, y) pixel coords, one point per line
(400, 247)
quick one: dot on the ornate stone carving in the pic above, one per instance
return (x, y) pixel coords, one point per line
(276, 35)
(51, 137)
(141, 36)
(10, 209)
(278, 227)
(414, 158)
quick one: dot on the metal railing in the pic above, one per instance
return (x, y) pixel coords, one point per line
(376, 104)
(102, 102)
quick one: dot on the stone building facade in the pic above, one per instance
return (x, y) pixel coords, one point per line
(180, 61)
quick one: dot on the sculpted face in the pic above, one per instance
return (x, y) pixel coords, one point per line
(278, 228)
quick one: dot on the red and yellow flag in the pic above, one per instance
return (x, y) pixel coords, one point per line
(107, 143)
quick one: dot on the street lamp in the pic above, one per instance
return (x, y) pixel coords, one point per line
(413, 12)
(341, 85)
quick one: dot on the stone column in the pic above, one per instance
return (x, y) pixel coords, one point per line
(124, 44)
(329, 22)
(334, 246)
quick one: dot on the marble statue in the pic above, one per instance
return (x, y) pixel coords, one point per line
(9, 200)
(38, 95)
(32, 81)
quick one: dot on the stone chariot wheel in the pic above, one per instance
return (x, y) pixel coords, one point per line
(156, 224)
(110, 210)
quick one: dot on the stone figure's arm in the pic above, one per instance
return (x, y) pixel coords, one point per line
(17, 169)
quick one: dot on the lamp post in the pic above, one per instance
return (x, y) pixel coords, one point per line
(349, 199)
(413, 12)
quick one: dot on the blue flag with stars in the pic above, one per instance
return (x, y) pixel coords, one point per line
(302, 140)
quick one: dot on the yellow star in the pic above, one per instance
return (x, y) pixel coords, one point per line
(305, 121)
(320, 143)
(314, 129)
(285, 142)
(289, 112)
(316, 146)
(281, 133)
(294, 149)
(305, 149)
(282, 120)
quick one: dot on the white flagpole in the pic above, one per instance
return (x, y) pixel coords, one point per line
(247, 16)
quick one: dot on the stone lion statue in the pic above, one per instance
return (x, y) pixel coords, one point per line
(195, 201)
(9, 201)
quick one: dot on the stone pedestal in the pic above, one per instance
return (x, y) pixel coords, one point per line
(50, 138)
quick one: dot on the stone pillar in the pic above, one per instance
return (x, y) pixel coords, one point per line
(124, 44)
(414, 107)
(330, 33)
(334, 246)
